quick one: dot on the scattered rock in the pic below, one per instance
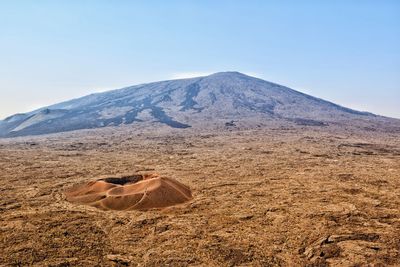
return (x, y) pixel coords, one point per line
(230, 124)
(119, 260)
(161, 228)
(245, 216)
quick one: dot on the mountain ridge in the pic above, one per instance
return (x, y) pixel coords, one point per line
(214, 99)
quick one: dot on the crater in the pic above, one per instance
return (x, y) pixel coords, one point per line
(133, 192)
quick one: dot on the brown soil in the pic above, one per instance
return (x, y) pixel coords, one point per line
(305, 196)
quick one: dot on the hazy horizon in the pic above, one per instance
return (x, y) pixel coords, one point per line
(346, 52)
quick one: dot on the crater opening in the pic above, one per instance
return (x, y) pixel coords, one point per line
(123, 180)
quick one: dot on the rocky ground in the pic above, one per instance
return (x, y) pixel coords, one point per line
(297, 196)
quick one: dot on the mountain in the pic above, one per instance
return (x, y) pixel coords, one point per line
(221, 99)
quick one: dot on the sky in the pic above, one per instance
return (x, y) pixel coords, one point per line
(347, 52)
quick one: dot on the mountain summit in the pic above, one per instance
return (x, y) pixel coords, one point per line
(219, 99)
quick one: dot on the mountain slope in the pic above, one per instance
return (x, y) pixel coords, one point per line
(214, 99)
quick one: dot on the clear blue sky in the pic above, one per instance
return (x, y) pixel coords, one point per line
(347, 52)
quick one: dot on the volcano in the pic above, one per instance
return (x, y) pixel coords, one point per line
(223, 99)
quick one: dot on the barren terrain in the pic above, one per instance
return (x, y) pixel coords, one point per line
(296, 196)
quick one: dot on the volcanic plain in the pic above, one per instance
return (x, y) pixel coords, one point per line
(277, 196)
